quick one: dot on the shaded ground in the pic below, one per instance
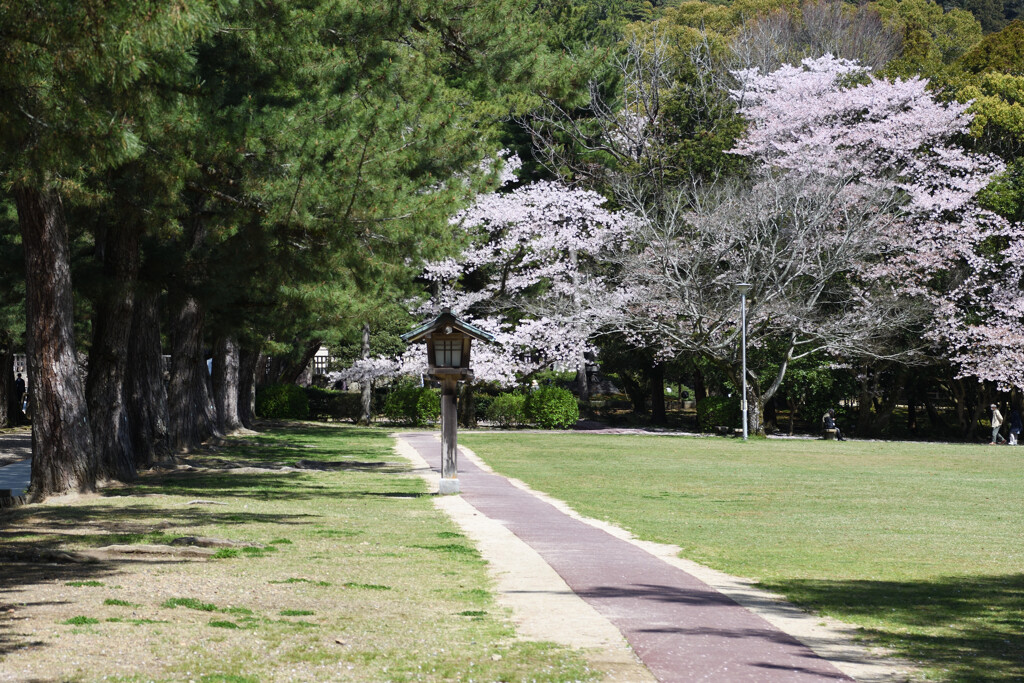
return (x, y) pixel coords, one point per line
(314, 588)
(15, 445)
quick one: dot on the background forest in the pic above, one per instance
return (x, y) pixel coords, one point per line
(247, 182)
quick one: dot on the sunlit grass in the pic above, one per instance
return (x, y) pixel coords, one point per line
(921, 544)
(360, 578)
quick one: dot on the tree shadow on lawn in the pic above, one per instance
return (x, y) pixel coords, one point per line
(278, 486)
(289, 446)
(972, 627)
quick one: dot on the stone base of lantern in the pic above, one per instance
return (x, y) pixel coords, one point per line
(448, 486)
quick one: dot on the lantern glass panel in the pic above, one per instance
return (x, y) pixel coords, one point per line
(448, 353)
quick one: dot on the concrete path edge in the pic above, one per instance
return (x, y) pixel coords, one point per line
(828, 638)
(542, 606)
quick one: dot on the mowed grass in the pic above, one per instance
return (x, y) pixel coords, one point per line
(366, 580)
(922, 545)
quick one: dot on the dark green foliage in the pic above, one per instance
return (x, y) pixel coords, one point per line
(1002, 52)
(1005, 194)
(483, 402)
(282, 401)
(507, 410)
(991, 14)
(552, 408)
(715, 411)
(812, 389)
(327, 404)
(80, 621)
(413, 404)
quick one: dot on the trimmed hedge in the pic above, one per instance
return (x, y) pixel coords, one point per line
(413, 404)
(718, 410)
(507, 410)
(327, 404)
(552, 407)
(282, 401)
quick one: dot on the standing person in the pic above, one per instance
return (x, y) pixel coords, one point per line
(19, 390)
(997, 423)
(1016, 425)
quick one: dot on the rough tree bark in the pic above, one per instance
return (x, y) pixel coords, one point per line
(117, 248)
(193, 418)
(467, 406)
(656, 376)
(366, 386)
(226, 385)
(8, 410)
(248, 362)
(62, 450)
(146, 392)
(292, 371)
(582, 379)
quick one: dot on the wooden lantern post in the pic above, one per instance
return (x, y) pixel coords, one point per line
(448, 342)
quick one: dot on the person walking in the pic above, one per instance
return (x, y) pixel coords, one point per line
(1016, 426)
(997, 423)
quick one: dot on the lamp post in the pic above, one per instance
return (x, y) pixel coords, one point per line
(448, 342)
(743, 288)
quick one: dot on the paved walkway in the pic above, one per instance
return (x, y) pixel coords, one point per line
(15, 448)
(681, 628)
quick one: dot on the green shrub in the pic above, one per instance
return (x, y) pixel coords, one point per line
(507, 410)
(483, 402)
(326, 404)
(718, 410)
(552, 408)
(287, 401)
(413, 404)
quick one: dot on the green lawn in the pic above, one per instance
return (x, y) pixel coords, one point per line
(920, 544)
(360, 577)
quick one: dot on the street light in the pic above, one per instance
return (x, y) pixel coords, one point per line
(743, 288)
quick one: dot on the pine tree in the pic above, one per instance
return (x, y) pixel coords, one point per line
(74, 75)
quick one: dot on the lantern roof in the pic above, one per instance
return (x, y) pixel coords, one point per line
(446, 323)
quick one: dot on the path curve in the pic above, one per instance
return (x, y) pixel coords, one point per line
(682, 628)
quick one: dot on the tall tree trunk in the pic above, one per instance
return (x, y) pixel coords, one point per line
(248, 362)
(8, 410)
(226, 385)
(467, 406)
(755, 411)
(771, 416)
(63, 459)
(938, 425)
(193, 417)
(582, 378)
(263, 371)
(292, 371)
(366, 386)
(700, 390)
(656, 376)
(148, 416)
(117, 249)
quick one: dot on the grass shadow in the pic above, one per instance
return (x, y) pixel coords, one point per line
(969, 627)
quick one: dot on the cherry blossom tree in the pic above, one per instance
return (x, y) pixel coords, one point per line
(964, 261)
(530, 276)
(856, 201)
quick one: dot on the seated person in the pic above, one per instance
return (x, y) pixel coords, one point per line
(829, 420)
